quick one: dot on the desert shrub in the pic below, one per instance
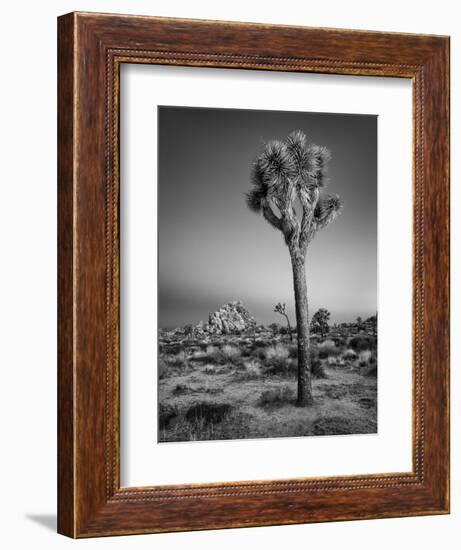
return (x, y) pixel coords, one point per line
(287, 368)
(350, 355)
(227, 354)
(207, 413)
(259, 344)
(162, 368)
(199, 355)
(210, 369)
(180, 389)
(179, 360)
(367, 402)
(277, 360)
(276, 397)
(214, 355)
(252, 369)
(337, 361)
(362, 342)
(258, 353)
(275, 328)
(372, 370)
(340, 342)
(279, 352)
(230, 352)
(166, 413)
(327, 348)
(317, 369)
(336, 392)
(364, 358)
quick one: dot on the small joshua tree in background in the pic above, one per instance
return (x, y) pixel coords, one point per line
(319, 322)
(284, 172)
(281, 308)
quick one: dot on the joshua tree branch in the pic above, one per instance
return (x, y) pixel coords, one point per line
(270, 216)
(326, 210)
(309, 203)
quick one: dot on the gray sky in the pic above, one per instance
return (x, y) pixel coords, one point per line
(212, 249)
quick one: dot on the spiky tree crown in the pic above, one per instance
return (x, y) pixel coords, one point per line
(286, 170)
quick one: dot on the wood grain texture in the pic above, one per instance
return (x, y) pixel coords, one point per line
(66, 471)
(91, 49)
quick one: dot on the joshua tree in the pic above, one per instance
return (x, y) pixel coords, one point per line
(319, 322)
(281, 308)
(286, 172)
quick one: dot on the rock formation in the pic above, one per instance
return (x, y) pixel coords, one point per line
(230, 318)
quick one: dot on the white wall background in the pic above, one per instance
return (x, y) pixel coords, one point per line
(28, 271)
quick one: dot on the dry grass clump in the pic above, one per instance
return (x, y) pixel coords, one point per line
(178, 360)
(279, 352)
(210, 369)
(276, 397)
(327, 349)
(363, 342)
(221, 356)
(214, 355)
(277, 360)
(206, 412)
(252, 370)
(317, 368)
(230, 352)
(166, 413)
(199, 355)
(171, 365)
(162, 368)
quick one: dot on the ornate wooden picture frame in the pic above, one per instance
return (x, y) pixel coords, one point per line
(92, 47)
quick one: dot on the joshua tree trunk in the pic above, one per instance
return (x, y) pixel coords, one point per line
(302, 324)
(289, 328)
(284, 172)
(281, 308)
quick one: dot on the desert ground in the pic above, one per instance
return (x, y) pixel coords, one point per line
(240, 386)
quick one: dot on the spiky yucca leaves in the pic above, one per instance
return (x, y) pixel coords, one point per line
(283, 171)
(309, 161)
(327, 210)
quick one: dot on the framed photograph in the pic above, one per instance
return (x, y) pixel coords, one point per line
(238, 205)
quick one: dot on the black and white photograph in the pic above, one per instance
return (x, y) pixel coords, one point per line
(267, 293)
(216, 217)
